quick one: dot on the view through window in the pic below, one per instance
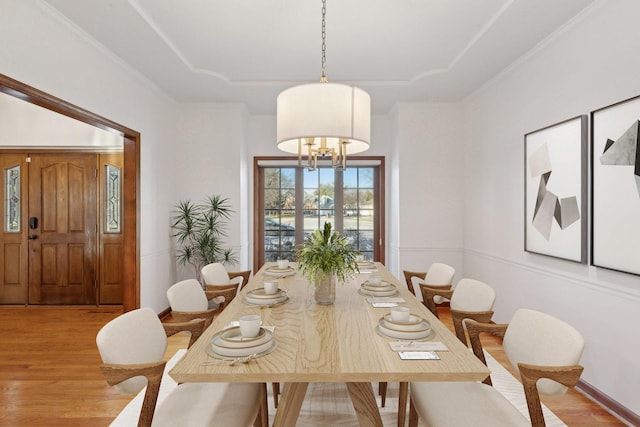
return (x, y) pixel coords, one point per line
(348, 199)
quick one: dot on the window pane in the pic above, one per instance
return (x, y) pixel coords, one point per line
(12, 201)
(279, 214)
(112, 199)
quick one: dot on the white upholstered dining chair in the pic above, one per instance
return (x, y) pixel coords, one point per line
(189, 301)
(470, 299)
(220, 284)
(439, 276)
(545, 351)
(132, 347)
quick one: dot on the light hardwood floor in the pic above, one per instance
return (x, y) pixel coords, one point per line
(49, 371)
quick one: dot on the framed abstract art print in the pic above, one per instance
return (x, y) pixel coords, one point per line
(615, 186)
(555, 190)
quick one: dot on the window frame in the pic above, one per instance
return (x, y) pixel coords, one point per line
(260, 163)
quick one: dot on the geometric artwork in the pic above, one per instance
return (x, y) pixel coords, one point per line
(555, 187)
(624, 151)
(548, 206)
(615, 186)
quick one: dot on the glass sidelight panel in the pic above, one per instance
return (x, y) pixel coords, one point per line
(113, 200)
(12, 200)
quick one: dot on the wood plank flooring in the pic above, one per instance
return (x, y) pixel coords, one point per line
(49, 371)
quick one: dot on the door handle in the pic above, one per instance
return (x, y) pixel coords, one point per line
(33, 237)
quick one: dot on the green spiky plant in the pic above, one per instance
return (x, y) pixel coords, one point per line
(200, 230)
(325, 252)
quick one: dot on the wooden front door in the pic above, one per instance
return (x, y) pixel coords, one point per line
(62, 228)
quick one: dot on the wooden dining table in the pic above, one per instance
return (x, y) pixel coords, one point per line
(328, 343)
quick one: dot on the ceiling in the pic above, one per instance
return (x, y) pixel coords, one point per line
(249, 50)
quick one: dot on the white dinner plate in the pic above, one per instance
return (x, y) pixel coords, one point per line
(386, 293)
(259, 293)
(414, 324)
(223, 349)
(403, 335)
(231, 337)
(266, 301)
(268, 348)
(280, 272)
(383, 286)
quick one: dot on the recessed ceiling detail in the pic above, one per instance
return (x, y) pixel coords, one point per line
(247, 51)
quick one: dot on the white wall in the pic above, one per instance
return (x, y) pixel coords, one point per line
(208, 157)
(592, 64)
(43, 52)
(426, 189)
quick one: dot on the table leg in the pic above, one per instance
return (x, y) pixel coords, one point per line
(402, 403)
(364, 402)
(290, 404)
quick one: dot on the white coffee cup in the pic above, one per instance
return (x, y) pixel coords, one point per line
(250, 325)
(400, 314)
(270, 286)
(283, 263)
(360, 258)
(375, 280)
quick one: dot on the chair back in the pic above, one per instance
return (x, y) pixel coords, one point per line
(540, 339)
(439, 274)
(215, 274)
(132, 338)
(187, 295)
(472, 295)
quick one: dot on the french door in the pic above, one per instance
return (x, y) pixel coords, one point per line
(292, 202)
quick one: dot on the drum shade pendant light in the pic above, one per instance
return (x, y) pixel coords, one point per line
(323, 120)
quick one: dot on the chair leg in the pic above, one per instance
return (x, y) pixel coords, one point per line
(275, 387)
(262, 419)
(382, 391)
(413, 415)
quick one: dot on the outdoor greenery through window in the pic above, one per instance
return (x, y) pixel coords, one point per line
(295, 201)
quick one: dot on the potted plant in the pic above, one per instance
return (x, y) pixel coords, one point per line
(199, 230)
(325, 257)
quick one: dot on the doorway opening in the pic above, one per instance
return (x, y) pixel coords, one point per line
(130, 177)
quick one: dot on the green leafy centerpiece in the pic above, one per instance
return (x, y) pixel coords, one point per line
(324, 258)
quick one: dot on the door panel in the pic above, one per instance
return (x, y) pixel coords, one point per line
(13, 236)
(62, 246)
(111, 249)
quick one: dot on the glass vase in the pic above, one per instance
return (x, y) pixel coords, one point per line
(325, 292)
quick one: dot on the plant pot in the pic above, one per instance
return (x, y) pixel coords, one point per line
(325, 290)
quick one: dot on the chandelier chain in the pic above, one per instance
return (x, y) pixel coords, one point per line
(323, 78)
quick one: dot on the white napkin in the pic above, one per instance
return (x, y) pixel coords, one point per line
(417, 346)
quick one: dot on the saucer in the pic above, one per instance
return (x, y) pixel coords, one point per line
(232, 338)
(218, 352)
(378, 293)
(414, 324)
(366, 264)
(280, 272)
(404, 335)
(261, 294)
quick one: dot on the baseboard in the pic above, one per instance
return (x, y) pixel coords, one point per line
(608, 403)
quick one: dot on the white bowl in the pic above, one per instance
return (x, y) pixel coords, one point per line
(403, 335)
(415, 324)
(266, 301)
(232, 338)
(381, 293)
(383, 286)
(240, 352)
(260, 293)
